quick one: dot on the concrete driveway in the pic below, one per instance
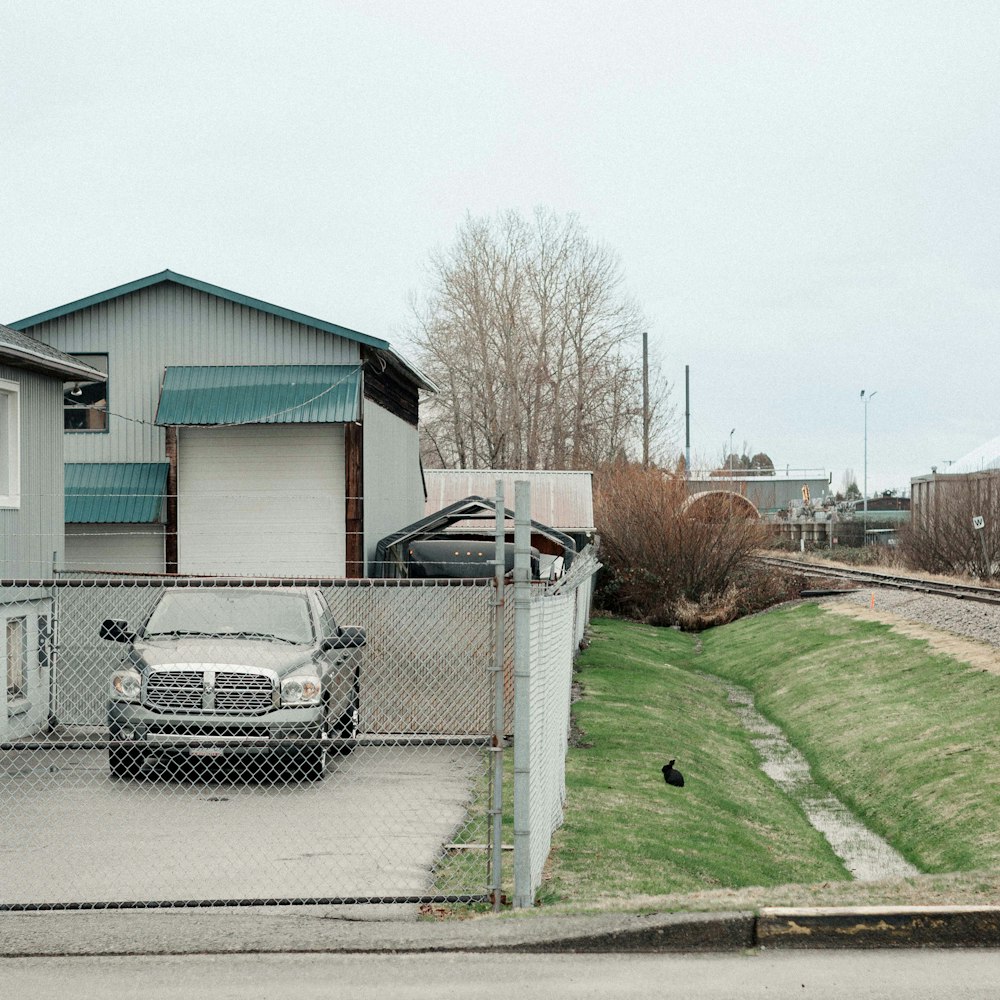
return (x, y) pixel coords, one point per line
(376, 826)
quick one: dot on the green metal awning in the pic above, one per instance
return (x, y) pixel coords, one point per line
(115, 492)
(260, 394)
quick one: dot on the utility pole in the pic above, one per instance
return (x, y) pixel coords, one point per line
(687, 421)
(645, 399)
(864, 517)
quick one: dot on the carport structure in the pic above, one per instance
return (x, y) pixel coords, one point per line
(472, 517)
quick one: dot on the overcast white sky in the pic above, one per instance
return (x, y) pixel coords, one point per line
(804, 195)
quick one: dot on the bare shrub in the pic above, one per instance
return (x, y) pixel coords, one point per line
(940, 537)
(666, 565)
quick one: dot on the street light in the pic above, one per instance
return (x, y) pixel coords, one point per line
(865, 399)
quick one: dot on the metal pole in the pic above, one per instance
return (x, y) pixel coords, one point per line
(645, 399)
(523, 892)
(864, 499)
(687, 421)
(864, 516)
(499, 726)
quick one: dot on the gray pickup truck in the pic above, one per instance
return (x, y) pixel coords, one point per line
(248, 675)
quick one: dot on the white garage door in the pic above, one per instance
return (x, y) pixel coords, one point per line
(261, 500)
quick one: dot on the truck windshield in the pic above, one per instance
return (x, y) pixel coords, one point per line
(239, 614)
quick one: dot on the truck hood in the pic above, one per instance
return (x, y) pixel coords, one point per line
(277, 656)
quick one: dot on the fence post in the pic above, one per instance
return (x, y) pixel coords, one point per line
(499, 727)
(523, 891)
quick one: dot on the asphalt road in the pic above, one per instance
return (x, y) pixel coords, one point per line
(913, 975)
(375, 826)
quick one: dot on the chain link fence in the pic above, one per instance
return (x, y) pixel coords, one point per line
(181, 742)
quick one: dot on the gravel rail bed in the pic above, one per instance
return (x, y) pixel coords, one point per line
(979, 622)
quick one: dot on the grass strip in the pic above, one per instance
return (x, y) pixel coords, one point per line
(626, 833)
(908, 738)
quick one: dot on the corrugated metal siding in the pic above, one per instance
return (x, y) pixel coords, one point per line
(260, 394)
(147, 331)
(394, 491)
(31, 534)
(117, 548)
(563, 500)
(115, 492)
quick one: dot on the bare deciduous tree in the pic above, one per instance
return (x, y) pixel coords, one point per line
(534, 346)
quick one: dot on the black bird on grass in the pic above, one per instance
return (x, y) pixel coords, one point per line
(672, 776)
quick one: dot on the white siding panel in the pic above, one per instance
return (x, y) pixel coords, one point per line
(394, 488)
(114, 548)
(262, 500)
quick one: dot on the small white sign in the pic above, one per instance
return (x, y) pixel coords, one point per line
(979, 522)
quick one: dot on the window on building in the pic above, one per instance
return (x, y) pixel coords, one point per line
(17, 659)
(10, 444)
(86, 402)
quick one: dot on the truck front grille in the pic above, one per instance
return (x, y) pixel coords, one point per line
(176, 690)
(246, 694)
(229, 692)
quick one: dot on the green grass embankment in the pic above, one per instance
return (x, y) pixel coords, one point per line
(626, 833)
(906, 737)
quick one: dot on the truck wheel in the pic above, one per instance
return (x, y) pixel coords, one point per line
(347, 725)
(311, 765)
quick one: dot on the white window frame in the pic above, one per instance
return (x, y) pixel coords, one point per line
(10, 444)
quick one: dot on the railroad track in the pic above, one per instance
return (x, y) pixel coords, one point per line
(958, 591)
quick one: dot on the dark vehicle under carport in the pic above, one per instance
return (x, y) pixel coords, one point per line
(448, 543)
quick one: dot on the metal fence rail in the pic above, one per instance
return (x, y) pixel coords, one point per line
(548, 625)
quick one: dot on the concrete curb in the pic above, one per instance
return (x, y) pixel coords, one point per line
(880, 927)
(286, 932)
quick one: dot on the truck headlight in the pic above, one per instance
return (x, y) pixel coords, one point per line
(301, 689)
(125, 685)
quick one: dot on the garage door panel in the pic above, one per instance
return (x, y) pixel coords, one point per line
(262, 500)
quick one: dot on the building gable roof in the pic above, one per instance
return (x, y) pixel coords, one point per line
(24, 351)
(172, 277)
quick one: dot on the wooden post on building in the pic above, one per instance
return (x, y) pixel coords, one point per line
(354, 481)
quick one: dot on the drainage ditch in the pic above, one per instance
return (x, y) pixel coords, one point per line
(865, 854)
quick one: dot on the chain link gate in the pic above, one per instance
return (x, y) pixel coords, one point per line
(185, 742)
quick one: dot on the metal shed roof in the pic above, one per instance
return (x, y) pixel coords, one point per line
(115, 492)
(476, 510)
(564, 500)
(260, 394)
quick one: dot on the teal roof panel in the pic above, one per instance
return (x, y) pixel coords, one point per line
(115, 492)
(213, 395)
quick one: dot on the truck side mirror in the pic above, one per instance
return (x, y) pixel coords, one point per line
(116, 630)
(350, 637)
